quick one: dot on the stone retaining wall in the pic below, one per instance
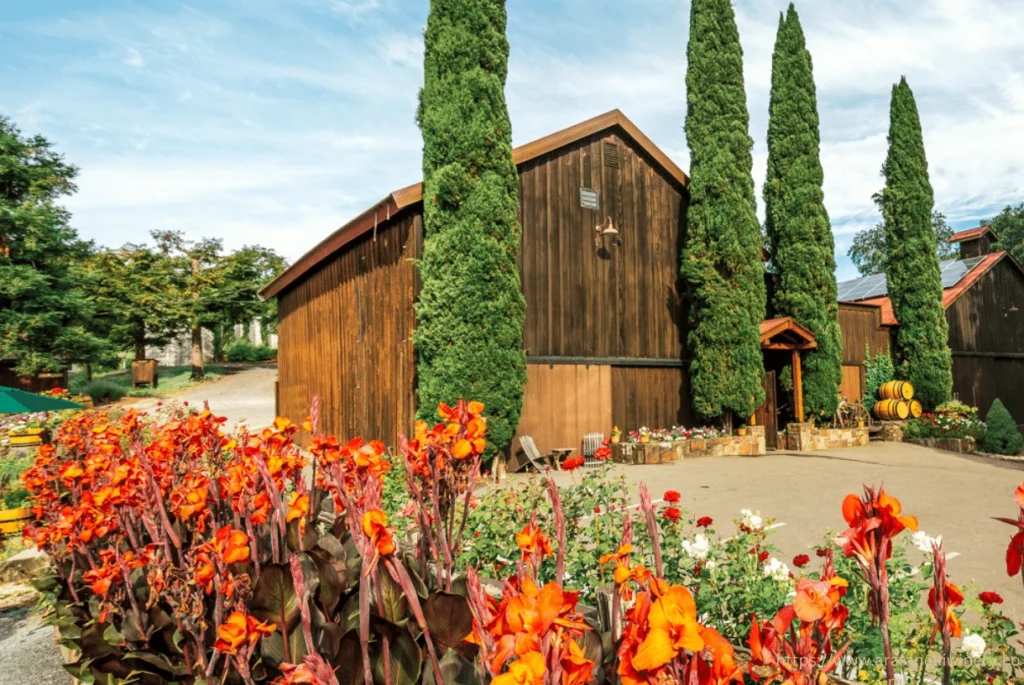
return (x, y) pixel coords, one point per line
(892, 431)
(960, 445)
(804, 437)
(750, 445)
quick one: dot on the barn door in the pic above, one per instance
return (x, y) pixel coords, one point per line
(767, 414)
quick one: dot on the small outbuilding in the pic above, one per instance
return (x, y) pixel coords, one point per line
(983, 295)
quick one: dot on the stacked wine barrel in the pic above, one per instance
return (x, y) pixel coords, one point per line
(896, 402)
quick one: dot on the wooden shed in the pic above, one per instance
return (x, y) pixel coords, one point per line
(983, 295)
(605, 324)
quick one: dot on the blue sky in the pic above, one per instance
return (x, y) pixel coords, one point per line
(275, 121)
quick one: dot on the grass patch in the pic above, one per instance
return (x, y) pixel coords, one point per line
(173, 379)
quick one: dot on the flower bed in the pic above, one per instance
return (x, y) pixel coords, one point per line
(802, 437)
(944, 427)
(959, 445)
(186, 555)
(702, 443)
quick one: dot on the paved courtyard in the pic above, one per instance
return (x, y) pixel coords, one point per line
(951, 495)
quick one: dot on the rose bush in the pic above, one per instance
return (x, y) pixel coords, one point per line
(187, 554)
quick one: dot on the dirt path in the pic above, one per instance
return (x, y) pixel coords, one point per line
(246, 394)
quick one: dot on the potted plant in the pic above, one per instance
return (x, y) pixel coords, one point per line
(27, 430)
(616, 435)
(645, 435)
(742, 430)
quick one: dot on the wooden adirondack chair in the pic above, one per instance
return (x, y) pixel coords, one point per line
(591, 441)
(531, 457)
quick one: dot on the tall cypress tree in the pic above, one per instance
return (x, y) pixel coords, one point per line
(721, 259)
(911, 262)
(470, 313)
(803, 250)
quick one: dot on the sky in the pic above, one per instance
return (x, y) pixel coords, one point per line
(273, 122)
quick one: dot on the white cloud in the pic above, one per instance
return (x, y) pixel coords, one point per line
(134, 59)
(355, 7)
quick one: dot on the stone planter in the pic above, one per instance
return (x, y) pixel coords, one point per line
(958, 445)
(804, 437)
(892, 431)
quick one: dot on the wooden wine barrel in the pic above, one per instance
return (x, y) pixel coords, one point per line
(896, 390)
(892, 410)
(915, 408)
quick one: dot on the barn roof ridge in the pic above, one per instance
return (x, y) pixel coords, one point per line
(971, 233)
(396, 201)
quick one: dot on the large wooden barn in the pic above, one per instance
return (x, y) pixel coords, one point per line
(603, 214)
(983, 295)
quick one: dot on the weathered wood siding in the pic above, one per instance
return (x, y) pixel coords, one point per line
(562, 402)
(585, 301)
(345, 335)
(861, 326)
(656, 397)
(986, 335)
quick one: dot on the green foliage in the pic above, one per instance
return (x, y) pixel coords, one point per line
(1009, 226)
(1001, 434)
(797, 224)
(104, 391)
(721, 260)
(244, 351)
(470, 313)
(944, 426)
(868, 249)
(879, 370)
(44, 316)
(911, 259)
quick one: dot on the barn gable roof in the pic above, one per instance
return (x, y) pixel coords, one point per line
(967, 272)
(972, 233)
(412, 195)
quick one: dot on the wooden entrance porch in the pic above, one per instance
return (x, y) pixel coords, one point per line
(782, 341)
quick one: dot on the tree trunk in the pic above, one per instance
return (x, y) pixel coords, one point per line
(197, 353)
(218, 342)
(197, 330)
(88, 371)
(140, 349)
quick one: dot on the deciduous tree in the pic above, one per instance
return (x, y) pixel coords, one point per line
(44, 314)
(868, 249)
(469, 338)
(1009, 226)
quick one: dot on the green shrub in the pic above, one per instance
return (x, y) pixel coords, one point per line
(244, 351)
(103, 391)
(879, 370)
(1001, 434)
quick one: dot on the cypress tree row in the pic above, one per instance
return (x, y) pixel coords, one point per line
(911, 262)
(721, 260)
(803, 250)
(470, 313)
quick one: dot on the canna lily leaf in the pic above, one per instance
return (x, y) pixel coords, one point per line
(450, 621)
(394, 607)
(455, 668)
(274, 599)
(406, 660)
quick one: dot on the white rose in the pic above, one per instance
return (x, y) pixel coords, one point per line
(973, 646)
(923, 542)
(698, 549)
(776, 570)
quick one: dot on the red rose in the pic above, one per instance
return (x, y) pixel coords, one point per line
(821, 552)
(989, 598)
(672, 514)
(602, 453)
(597, 510)
(762, 557)
(698, 569)
(801, 560)
(572, 463)
(671, 496)
(704, 521)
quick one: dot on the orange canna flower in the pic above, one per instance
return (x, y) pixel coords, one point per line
(375, 526)
(239, 629)
(532, 540)
(673, 627)
(298, 508)
(724, 668)
(528, 669)
(954, 598)
(577, 669)
(231, 545)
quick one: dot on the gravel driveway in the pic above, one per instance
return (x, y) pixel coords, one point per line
(243, 394)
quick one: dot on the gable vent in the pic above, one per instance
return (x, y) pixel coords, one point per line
(611, 155)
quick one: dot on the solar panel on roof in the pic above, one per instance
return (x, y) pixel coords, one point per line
(951, 271)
